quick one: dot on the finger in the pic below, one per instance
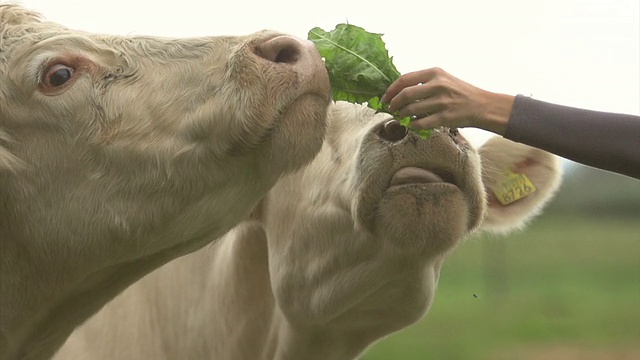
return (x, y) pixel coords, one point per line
(411, 95)
(408, 96)
(428, 122)
(427, 105)
(406, 80)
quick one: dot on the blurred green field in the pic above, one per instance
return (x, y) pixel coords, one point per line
(566, 282)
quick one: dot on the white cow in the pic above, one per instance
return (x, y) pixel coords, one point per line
(118, 154)
(338, 255)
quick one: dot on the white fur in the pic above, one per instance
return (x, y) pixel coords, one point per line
(153, 149)
(331, 261)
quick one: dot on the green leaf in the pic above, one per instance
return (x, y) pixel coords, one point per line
(358, 63)
(376, 104)
(359, 66)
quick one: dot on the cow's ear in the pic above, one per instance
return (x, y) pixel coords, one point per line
(519, 180)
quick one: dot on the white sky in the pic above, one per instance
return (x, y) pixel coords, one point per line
(573, 52)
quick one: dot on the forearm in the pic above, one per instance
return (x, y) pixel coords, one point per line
(608, 141)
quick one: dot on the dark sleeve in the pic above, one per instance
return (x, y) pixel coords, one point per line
(608, 141)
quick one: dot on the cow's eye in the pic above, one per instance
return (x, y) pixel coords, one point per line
(58, 75)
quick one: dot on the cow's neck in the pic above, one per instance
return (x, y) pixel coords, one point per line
(239, 273)
(39, 334)
(289, 343)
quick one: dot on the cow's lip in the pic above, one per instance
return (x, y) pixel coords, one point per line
(418, 175)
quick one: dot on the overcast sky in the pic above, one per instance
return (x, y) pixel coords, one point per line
(579, 53)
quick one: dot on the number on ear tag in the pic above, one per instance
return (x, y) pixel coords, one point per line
(513, 187)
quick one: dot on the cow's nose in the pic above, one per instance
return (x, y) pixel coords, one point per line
(393, 131)
(281, 49)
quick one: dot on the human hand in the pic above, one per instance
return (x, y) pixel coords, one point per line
(437, 98)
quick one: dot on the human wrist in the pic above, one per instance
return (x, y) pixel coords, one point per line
(497, 113)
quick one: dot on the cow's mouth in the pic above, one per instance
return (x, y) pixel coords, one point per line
(415, 175)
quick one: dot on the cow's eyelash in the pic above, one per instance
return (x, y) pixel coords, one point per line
(37, 68)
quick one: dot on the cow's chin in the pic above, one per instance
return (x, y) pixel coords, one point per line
(300, 132)
(423, 219)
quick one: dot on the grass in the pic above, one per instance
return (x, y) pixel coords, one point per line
(563, 281)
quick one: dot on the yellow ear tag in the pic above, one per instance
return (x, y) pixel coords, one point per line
(513, 187)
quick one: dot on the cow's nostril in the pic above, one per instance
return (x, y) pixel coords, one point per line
(281, 49)
(287, 55)
(393, 131)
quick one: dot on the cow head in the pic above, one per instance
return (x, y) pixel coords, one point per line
(357, 238)
(118, 154)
